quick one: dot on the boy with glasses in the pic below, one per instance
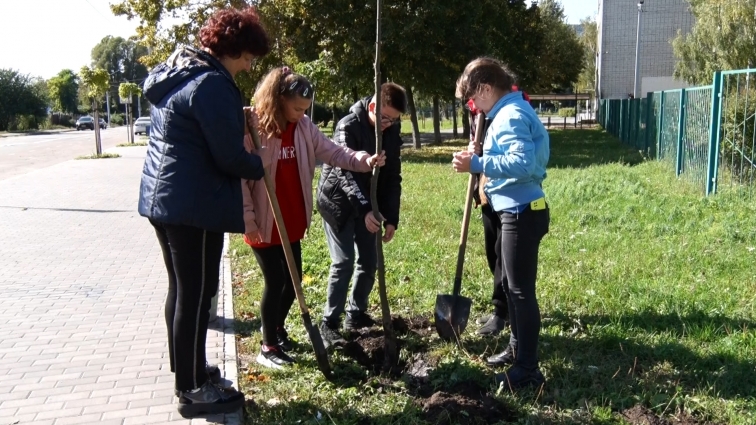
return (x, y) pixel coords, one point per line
(343, 199)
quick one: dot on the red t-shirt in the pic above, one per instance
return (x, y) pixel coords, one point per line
(288, 191)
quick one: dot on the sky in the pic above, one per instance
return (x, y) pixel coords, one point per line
(43, 37)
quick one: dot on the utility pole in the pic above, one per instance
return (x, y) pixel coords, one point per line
(636, 85)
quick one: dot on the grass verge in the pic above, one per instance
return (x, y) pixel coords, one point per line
(100, 156)
(646, 291)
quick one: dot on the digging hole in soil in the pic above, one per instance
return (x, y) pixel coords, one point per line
(464, 403)
(639, 415)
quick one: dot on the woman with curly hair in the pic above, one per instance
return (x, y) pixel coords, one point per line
(280, 104)
(191, 188)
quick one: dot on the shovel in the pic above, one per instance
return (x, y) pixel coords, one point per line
(453, 311)
(317, 341)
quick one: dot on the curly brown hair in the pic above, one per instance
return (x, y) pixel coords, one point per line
(484, 71)
(278, 83)
(231, 32)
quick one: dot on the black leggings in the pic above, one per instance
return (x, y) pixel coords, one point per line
(492, 237)
(192, 259)
(521, 236)
(278, 295)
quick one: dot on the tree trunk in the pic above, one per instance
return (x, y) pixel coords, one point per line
(413, 118)
(335, 119)
(454, 118)
(98, 142)
(128, 128)
(436, 121)
(355, 94)
(465, 124)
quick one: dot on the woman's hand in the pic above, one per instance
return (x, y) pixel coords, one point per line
(461, 161)
(377, 160)
(254, 237)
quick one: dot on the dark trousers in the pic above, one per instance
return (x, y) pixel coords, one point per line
(192, 259)
(342, 245)
(521, 236)
(278, 294)
(492, 238)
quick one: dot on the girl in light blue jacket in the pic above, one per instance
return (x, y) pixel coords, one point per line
(515, 154)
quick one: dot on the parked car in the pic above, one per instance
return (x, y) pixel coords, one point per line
(142, 125)
(88, 123)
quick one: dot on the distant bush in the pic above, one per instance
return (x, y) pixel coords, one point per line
(116, 119)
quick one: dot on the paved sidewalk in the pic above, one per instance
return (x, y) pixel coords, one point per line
(82, 285)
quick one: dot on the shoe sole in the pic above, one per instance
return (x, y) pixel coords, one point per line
(498, 364)
(492, 333)
(193, 410)
(215, 378)
(267, 362)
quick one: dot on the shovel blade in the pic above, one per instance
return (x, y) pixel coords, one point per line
(321, 355)
(451, 313)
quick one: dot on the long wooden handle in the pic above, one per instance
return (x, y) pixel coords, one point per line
(293, 271)
(479, 129)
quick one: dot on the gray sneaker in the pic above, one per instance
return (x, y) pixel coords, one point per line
(331, 337)
(493, 326)
(209, 400)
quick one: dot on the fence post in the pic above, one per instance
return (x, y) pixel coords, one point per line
(680, 134)
(659, 131)
(649, 110)
(622, 121)
(715, 134)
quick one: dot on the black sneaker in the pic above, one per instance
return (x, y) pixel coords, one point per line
(517, 377)
(213, 372)
(209, 400)
(331, 336)
(274, 357)
(355, 321)
(283, 339)
(493, 326)
(502, 359)
(483, 319)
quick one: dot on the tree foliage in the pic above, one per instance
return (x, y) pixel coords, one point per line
(120, 57)
(20, 96)
(722, 38)
(589, 41)
(64, 91)
(560, 54)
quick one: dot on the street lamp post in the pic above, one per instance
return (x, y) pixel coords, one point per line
(636, 87)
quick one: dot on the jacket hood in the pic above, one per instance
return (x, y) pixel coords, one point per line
(185, 63)
(361, 108)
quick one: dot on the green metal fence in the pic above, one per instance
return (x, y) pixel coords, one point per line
(706, 134)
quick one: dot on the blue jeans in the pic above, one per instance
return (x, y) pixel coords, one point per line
(342, 248)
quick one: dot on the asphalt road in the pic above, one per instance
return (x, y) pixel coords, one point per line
(23, 154)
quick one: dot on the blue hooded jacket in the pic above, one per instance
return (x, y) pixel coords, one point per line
(196, 157)
(515, 154)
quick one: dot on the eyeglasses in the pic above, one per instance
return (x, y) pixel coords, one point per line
(299, 87)
(389, 120)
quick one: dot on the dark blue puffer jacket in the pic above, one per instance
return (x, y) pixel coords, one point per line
(196, 156)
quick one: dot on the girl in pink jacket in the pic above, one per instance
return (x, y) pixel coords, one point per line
(292, 143)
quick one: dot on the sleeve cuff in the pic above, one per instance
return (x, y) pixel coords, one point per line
(476, 164)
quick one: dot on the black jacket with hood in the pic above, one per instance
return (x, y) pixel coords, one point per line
(343, 194)
(196, 157)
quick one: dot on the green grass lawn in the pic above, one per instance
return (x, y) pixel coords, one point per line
(647, 292)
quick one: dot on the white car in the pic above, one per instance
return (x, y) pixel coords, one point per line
(142, 125)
